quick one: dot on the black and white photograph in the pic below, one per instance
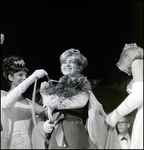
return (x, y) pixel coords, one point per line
(71, 74)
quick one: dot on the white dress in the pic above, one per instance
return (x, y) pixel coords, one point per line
(18, 129)
(137, 132)
(16, 122)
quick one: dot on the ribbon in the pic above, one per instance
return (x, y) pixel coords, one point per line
(33, 111)
(60, 136)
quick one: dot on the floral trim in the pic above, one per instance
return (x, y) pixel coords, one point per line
(17, 141)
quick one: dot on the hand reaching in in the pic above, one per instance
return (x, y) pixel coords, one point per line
(43, 88)
(40, 73)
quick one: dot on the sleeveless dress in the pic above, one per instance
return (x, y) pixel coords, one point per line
(16, 122)
(19, 131)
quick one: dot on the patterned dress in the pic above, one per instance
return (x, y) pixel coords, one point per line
(16, 122)
(18, 130)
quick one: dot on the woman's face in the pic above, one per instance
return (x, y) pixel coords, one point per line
(69, 67)
(17, 78)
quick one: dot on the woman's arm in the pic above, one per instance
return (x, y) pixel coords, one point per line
(137, 70)
(77, 101)
(12, 96)
(40, 110)
(134, 100)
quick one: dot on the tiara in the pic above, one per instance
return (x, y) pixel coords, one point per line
(127, 46)
(19, 62)
(74, 50)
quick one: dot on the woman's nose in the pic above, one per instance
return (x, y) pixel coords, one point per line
(24, 77)
(68, 63)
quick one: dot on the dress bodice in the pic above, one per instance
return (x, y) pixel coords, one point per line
(18, 116)
(18, 111)
(16, 122)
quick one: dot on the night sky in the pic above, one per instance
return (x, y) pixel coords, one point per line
(41, 30)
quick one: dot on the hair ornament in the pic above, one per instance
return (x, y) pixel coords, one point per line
(127, 46)
(74, 50)
(19, 62)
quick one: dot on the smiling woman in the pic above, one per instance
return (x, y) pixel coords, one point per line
(75, 58)
(16, 110)
(79, 110)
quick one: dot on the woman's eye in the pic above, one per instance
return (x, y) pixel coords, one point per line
(64, 62)
(72, 62)
(22, 74)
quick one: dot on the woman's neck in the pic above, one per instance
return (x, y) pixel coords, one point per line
(12, 87)
(73, 76)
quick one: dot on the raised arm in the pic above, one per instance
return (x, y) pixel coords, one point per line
(12, 96)
(134, 100)
(137, 70)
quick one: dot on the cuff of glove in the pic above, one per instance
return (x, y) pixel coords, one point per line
(112, 118)
(47, 127)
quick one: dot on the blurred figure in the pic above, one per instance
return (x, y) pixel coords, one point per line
(2, 38)
(122, 127)
(131, 62)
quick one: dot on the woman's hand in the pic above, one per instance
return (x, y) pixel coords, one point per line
(48, 127)
(40, 73)
(43, 88)
(112, 118)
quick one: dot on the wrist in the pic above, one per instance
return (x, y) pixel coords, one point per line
(115, 117)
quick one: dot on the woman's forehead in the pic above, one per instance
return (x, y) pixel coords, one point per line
(122, 119)
(21, 72)
(70, 57)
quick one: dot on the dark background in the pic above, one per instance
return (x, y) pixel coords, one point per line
(41, 30)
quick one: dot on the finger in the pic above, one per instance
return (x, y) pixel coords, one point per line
(48, 121)
(45, 73)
